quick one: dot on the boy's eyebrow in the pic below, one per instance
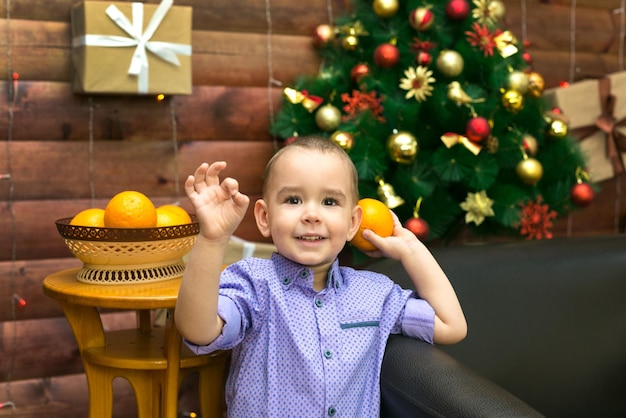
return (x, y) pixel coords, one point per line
(289, 190)
(330, 192)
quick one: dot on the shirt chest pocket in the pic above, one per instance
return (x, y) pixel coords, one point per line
(359, 338)
(373, 323)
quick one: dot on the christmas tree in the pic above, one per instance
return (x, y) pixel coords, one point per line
(443, 116)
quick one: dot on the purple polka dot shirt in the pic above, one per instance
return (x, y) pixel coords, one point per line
(301, 353)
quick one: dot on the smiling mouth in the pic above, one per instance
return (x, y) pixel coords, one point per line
(311, 239)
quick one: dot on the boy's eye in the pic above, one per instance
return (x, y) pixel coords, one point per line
(293, 200)
(329, 201)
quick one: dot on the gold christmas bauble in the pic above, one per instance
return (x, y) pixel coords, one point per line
(513, 101)
(518, 81)
(343, 140)
(385, 8)
(350, 42)
(402, 147)
(450, 63)
(536, 84)
(422, 18)
(328, 117)
(529, 171)
(557, 128)
(557, 124)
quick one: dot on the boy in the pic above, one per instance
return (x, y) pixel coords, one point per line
(307, 335)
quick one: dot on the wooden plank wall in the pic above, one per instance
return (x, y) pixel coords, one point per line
(65, 152)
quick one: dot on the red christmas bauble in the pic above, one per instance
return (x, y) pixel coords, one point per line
(477, 129)
(527, 58)
(421, 18)
(424, 58)
(582, 194)
(419, 227)
(359, 71)
(386, 55)
(457, 9)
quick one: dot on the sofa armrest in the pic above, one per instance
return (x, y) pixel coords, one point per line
(420, 380)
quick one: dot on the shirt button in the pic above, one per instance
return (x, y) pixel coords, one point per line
(328, 354)
(332, 411)
(286, 281)
(319, 303)
(304, 273)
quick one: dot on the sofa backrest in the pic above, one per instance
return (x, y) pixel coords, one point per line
(547, 319)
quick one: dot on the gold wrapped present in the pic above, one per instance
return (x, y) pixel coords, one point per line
(131, 48)
(596, 110)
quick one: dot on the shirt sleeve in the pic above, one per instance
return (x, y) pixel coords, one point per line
(419, 320)
(227, 310)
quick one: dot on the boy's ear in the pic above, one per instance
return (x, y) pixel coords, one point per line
(262, 218)
(355, 221)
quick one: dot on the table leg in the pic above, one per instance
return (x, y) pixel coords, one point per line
(172, 353)
(144, 320)
(88, 331)
(86, 325)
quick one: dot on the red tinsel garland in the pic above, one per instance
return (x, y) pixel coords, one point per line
(360, 102)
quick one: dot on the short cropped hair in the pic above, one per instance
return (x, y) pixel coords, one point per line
(322, 145)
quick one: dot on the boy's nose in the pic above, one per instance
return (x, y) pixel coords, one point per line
(310, 214)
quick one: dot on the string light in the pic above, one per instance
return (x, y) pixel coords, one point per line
(572, 44)
(271, 82)
(92, 183)
(6, 404)
(620, 67)
(622, 35)
(160, 97)
(175, 149)
(572, 71)
(9, 177)
(20, 301)
(523, 23)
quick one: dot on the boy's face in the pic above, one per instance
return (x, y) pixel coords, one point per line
(309, 209)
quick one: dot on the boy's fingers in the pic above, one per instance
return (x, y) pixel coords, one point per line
(211, 176)
(189, 185)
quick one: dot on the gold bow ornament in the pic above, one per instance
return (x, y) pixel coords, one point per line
(294, 96)
(450, 139)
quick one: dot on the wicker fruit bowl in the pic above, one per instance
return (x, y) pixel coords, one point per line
(128, 255)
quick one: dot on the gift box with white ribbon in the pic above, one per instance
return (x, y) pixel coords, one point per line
(131, 48)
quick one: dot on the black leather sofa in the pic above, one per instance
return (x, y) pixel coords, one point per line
(547, 334)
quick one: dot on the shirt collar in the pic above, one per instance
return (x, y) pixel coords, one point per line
(290, 272)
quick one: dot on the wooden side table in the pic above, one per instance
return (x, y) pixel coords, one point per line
(151, 359)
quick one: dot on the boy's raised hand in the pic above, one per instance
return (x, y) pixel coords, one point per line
(393, 246)
(219, 207)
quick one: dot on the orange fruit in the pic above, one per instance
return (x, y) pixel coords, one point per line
(130, 209)
(170, 215)
(93, 217)
(377, 217)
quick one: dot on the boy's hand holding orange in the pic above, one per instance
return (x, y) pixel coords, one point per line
(376, 217)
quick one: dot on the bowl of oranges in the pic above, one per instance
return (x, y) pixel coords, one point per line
(129, 241)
